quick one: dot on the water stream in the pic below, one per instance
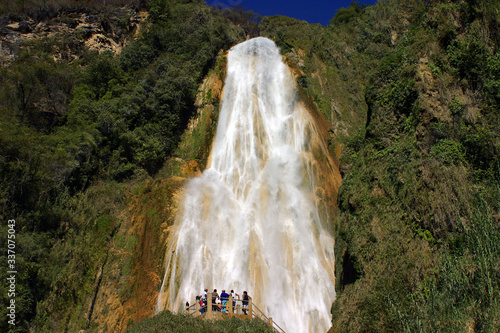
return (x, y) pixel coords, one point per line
(257, 218)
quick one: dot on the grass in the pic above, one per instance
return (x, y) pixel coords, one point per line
(166, 322)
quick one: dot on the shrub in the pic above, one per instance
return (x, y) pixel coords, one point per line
(346, 15)
(448, 152)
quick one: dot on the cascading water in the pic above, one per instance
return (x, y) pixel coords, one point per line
(256, 219)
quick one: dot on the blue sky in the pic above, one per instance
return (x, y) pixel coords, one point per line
(313, 11)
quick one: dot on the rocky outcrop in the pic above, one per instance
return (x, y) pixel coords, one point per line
(71, 31)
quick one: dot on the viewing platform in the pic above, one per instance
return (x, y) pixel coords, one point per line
(242, 309)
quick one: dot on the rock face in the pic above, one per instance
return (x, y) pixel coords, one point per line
(73, 30)
(100, 42)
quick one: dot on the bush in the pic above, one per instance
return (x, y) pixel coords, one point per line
(478, 143)
(346, 15)
(448, 152)
(168, 322)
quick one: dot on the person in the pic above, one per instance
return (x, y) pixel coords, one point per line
(187, 307)
(246, 298)
(215, 297)
(235, 297)
(199, 300)
(224, 297)
(203, 303)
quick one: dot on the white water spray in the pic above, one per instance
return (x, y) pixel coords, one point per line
(253, 220)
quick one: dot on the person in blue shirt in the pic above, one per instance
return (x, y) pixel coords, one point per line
(224, 297)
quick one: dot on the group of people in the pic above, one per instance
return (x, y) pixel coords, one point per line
(219, 302)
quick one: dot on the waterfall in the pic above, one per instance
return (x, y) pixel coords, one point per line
(258, 218)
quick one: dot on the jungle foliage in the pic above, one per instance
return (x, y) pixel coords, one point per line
(418, 230)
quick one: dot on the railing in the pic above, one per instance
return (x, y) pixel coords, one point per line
(259, 314)
(231, 307)
(191, 310)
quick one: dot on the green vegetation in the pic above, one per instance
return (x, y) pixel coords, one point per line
(170, 323)
(418, 227)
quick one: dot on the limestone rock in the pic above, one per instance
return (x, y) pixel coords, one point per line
(101, 43)
(95, 31)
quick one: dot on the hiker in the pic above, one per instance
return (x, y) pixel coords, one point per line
(215, 297)
(246, 298)
(203, 303)
(224, 297)
(199, 300)
(235, 297)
